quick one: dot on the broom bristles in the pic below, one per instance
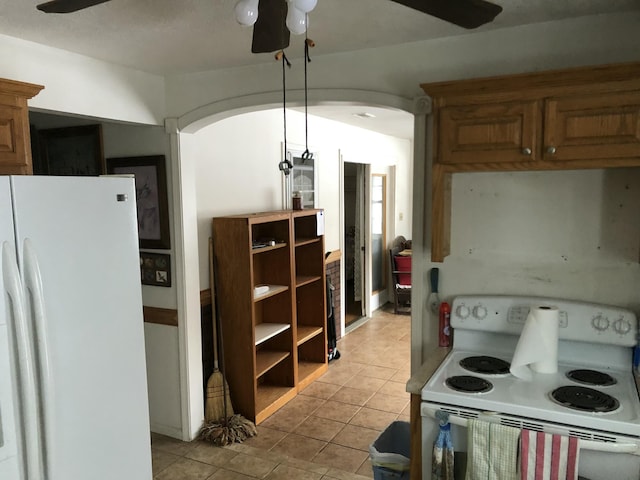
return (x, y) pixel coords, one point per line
(234, 429)
(216, 389)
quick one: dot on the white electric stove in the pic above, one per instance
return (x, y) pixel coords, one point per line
(592, 396)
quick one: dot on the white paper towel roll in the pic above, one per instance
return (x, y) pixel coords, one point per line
(537, 347)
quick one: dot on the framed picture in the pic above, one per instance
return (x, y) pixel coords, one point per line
(151, 196)
(155, 269)
(70, 151)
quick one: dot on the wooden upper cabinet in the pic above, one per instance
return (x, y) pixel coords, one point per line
(592, 126)
(496, 132)
(586, 117)
(15, 141)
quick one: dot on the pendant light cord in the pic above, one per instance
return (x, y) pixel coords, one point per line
(285, 165)
(307, 155)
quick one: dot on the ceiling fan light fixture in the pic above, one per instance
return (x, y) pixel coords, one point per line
(246, 12)
(305, 5)
(297, 21)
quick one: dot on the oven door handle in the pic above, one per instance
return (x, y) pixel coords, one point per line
(608, 447)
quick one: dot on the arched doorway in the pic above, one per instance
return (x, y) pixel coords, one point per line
(184, 177)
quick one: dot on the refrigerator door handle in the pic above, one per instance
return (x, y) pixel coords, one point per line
(25, 355)
(33, 285)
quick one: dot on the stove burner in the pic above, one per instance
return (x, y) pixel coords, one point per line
(469, 384)
(585, 399)
(591, 377)
(486, 365)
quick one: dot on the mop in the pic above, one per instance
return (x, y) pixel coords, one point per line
(225, 429)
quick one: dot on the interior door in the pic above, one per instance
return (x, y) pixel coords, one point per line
(354, 241)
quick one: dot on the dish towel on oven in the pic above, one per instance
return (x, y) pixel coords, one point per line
(492, 451)
(544, 456)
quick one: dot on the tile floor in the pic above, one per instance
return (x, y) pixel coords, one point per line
(325, 432)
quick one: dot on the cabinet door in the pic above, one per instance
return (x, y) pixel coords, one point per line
(500, 132)
(592, 127)
(14, 159)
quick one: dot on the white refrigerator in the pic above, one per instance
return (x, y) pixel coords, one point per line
(73, 390)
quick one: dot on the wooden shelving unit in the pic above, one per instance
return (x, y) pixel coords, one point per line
(275, 341)
(310, 295)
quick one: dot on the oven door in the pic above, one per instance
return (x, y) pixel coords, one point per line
(602, 456)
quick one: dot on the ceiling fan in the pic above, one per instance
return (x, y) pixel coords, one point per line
(270, 32)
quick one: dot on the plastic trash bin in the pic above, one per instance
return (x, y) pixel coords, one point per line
(390, 453)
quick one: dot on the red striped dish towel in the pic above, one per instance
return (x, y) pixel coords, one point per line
(544, 456)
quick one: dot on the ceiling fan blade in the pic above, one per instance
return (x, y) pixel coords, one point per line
(67, 6)
(270, 32)
(468, 14)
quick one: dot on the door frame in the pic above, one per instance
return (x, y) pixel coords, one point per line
(370, 301)
(365, 257)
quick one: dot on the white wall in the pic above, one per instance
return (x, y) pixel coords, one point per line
(567, 234)
(81, 85)
(237, 168)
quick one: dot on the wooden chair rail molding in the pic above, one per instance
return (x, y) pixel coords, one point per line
(205, 297)
(161, 316)
(580, 118)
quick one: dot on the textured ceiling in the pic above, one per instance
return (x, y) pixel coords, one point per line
(179, 36)
(176, 36)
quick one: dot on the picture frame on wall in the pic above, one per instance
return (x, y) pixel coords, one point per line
(151, 197)
(70, 151)
(155, 269)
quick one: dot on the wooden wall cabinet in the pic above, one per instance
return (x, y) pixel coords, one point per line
(15, 141)
(274, 342)
(580, 127)
(495, 132)
(560, 120)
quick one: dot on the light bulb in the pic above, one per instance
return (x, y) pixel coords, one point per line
(246, 12)
(305, 5)
(296, 20)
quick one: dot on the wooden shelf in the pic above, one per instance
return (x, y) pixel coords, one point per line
(267, 359)
(306, 279)
(306, 333)
(271, 397)
(265, 331)
(268, 248)
(306, 241)
(310, 371)
(273, 290)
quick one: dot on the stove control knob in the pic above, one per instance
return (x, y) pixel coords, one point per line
(600, 323)
(462, 311)
(622, 326)
(479, 312)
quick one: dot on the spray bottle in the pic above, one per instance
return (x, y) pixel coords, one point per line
(444, 327)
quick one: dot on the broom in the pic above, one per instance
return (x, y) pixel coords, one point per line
(217, 388)
(224, 429)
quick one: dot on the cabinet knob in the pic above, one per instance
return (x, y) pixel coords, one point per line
(551, 150)
(526, 151)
